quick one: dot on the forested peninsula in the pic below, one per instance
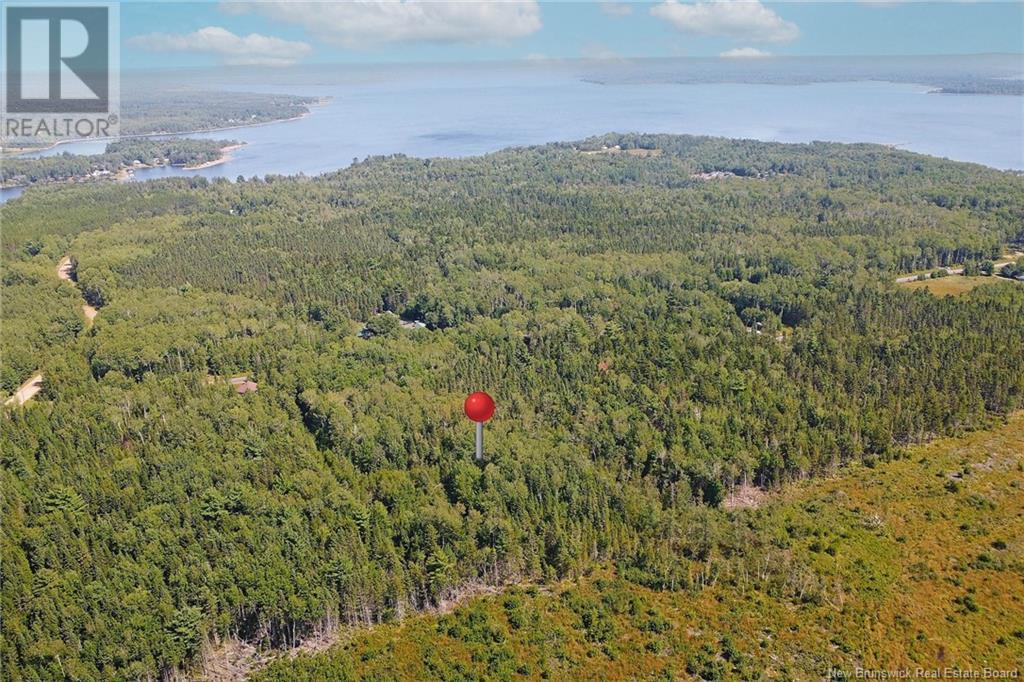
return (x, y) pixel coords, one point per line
(116, 161)
(664, 322)
(183, 110)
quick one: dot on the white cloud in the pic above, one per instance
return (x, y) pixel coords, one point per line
(745, 53)
(377, 22)
(598, 52)
(616, 9)
(253, 49)
(746, 20)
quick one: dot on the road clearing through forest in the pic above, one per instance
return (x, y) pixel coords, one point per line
(26, 391)
(34, 384)
(996, 267)
(64, 272)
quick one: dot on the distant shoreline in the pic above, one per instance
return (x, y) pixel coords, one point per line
(125, 173)
(319, 103)
(225, 156)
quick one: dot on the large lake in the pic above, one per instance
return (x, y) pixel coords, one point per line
(461, 112)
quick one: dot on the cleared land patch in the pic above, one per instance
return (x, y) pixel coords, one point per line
(953, 285)
(892, 565)
(26, 391)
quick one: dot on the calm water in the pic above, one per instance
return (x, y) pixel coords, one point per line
(474, 111)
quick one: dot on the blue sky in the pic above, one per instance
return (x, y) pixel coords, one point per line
(172, 34)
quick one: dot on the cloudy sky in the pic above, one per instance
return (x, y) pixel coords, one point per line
(285, 32)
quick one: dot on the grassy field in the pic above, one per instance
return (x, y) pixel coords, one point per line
(917, 562)
(954, 285)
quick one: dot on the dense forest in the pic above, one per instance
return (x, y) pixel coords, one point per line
(168, 110)
(653, 339)
(124, 153)
(929, 579)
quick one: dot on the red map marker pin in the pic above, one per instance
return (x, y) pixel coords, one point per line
(479, 407)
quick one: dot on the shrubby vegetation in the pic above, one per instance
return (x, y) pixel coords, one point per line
(789, 591)
(16, 171)
(652, 340)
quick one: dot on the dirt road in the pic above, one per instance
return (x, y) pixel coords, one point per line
(26, 391)
(956, 271)
(64, 272)
(64, 269)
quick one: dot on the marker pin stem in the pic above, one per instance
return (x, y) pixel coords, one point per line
(479, 407)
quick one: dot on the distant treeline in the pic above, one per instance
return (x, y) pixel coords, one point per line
(17, 171)
(996, 74)
(184, 110)
(988, 86)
